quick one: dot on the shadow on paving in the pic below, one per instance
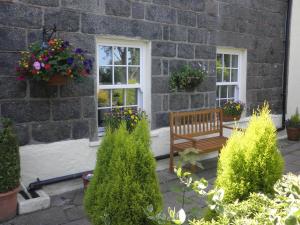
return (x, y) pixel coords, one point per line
(67, 208)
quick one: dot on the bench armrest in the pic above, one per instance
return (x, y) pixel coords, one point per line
(185, 137)
(234, 128)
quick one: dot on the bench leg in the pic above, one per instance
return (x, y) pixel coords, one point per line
(171, 162)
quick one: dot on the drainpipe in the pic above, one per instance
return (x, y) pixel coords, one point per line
(286, 62)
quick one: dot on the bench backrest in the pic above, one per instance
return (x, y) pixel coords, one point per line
(196, 123)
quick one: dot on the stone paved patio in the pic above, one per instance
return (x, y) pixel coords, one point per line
(67, 208)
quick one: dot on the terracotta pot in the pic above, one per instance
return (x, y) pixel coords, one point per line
(8, 204)
(228, 118)
(293, 133)
(86, 177)
(57, 80)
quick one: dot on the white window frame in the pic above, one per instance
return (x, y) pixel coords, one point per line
(242, 72)
(144, 97)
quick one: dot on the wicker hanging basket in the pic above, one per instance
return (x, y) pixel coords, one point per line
(57, 80)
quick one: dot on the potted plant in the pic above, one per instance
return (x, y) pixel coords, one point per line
(9, 171)
(187, 78)
(232, 110)
(55, 62)
(293, 127)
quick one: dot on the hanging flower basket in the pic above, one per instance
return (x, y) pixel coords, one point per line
(54, 62)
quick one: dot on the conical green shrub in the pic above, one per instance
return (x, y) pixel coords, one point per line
(250, 161)
(124, 182)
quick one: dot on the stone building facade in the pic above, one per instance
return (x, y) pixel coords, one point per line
(180, 32)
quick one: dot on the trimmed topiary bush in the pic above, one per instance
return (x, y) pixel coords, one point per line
(250, 161)
(9, 158)
(124, 182)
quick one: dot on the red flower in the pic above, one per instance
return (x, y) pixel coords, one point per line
(47, 66)
(34, 72)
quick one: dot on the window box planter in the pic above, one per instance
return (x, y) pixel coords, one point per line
(229, 118)
(57, 80)
(293, 133)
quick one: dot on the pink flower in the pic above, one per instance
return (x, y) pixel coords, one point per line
(22, 77)
(37, 65)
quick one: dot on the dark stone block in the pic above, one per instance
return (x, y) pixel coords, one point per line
(65, 20)
(89, 107)
(156, 103)
(93, 130)
(75, 89)
(160, 84)
(26, 111)
(90, 5)
(79, 40)
(165, 103)
(12, 39)
(165, 49)
(178, 33)
(118, 7)
(165, 68)
(212, 99)
(176, 65)
(161, 120)
(80, 129)
(42, 90)
(8, 63)
(161, 2)
(166, 33)
(51, 131)
(12, 88)
(65, 109)
(205, 52)
(179, 101)
(187, 18)
(208, 84)
(211, 7)
(198, 101)
(34, 36)
(156, 67)
(207, 21)
(51, 3)
(22, 132)
(138, 10)
(186, 51)
(161, 14)
(18, 15)
(197, 36)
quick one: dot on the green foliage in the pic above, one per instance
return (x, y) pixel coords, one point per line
(124, 182)
(186, 78)
(233, 108)
(250, 161)
(294, 121)
(9, 158)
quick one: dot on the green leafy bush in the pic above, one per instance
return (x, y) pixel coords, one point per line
(294, 121)
(250, 161)
(9, 158)
(124, 182)
(186, 78)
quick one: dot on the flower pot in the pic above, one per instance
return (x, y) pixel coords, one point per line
(8, 204)
(57, 80)
(86, 178)
(293, 133)
(229, 118)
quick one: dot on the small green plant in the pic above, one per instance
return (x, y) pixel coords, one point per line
(9, 158)
(233, 108)
(294, 121)
(187, 78)
(124, 182)
(250, 161)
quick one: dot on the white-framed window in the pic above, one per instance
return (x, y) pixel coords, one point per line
(231, 67)
(123, 78)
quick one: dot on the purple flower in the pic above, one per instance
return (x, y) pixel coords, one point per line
(65, 44)
(37, 65)
(70, 60)
(78, 51)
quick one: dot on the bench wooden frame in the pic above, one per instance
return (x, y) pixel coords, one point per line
(186, 129)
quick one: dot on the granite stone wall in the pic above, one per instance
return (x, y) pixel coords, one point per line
(181, 31)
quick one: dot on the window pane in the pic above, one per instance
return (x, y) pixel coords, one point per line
(226, 75)
(234, 62)
(120, 75)
(131, 97)
(223, 91)
(231, 90)
(227, 60)
(219, 75)
(118, 97)
(222, 102)
(219, 60)
(234, 75)
(104, 98)
(105, 55)
(119, 55)
(133, 56)
(101, 116)
(105, 75)
(133, 75)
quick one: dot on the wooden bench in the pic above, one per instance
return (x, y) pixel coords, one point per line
(201, 130)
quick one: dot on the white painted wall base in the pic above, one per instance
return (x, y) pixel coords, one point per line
(45, 161)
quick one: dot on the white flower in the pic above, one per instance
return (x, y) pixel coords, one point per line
(181, 216)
